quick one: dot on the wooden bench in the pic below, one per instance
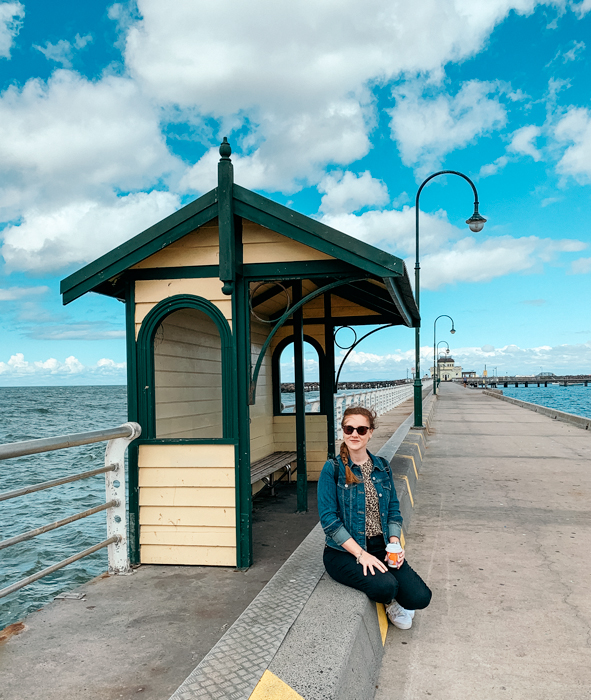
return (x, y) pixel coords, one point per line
(264, 469)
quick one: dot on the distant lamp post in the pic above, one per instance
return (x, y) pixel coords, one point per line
(476, 223)
(452, 331)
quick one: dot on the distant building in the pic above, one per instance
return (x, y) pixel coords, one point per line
(447, 369)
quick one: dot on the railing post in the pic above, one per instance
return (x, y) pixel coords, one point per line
(115, 488)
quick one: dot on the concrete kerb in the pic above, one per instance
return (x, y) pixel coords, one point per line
(578, 421)
(333, 648)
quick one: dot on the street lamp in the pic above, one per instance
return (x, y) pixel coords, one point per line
(476, 223)
(452, 331)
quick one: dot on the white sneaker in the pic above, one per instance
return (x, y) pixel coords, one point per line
(400, 617)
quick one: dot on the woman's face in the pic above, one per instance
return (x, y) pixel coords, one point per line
(356, 441)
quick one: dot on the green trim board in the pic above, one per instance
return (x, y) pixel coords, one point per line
(145, 345)
(140, 247)
(305, 269)
(174, 273)
(187, 441)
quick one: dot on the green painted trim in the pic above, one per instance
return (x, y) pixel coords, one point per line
(187, 441)
(276, 373)
(300, 399)
(306, 269)
(150, 241)
(227, 241)
(241, 316)
(298, 227)
(174, 273)
(133, 527)
(329, 386)
(346, 321)
(403, 310)
(146, 358)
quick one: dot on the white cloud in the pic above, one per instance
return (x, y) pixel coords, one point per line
(347, 192)
(11, 16)
(494, 167)
(14, 293)
(582, 8)
(575, 129)
(582, 266)
(427, 128)
(72, 139)
(297, 76)
(19, 368)
(63, 51)
(510, 359)
(522, 141)
(447, 254)
(50, 240)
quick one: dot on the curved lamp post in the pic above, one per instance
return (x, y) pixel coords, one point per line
(476, 223)
(438, 355)
(452, 331)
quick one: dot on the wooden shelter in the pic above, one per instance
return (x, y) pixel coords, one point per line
(214, 293)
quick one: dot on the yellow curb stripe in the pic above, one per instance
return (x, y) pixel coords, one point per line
(402, 539)
(413, 463)
(403, 476)
(408, 442)
(271, 687)
(383, 620)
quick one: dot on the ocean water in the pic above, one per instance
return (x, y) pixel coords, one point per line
(570, 399)
(37, 412)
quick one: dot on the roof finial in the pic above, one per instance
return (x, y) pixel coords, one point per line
(225, 149)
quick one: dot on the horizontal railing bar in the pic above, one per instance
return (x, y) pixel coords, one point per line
(55, 567)
(55, 482)
(30, 447)
(53, 526)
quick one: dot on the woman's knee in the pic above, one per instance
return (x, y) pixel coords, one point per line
(382, 588)
(423, 598)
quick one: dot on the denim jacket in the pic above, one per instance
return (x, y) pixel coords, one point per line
(342, 506)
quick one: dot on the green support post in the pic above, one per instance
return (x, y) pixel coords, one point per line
(300, 405)
(329, 388)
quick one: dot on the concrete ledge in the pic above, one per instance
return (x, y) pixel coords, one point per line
(334, 649)
(577, 421)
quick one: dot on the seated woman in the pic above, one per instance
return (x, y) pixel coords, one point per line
(360, 514)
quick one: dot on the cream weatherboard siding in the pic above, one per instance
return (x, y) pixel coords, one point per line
(187, 504)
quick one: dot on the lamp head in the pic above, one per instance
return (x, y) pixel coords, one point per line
(453, 330)
(476, 222)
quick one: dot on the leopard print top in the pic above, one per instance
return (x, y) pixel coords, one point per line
(373, 524)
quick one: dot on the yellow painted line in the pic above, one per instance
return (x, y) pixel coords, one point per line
(408, 442)
(383, 620)
(402, 539)
(413, 463)
(403, 476)
(271, 687)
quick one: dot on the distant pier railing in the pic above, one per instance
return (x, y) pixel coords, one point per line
(114, 471)
(381, 400)
(516, 381)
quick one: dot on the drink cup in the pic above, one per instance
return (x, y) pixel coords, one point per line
(394, 551)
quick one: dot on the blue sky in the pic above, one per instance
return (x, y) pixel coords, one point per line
(110, 116)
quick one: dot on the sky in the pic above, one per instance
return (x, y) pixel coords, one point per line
(111, 116)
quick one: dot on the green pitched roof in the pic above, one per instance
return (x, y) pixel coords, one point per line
(101, 274)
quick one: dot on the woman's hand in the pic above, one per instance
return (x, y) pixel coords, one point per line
(400, 556)
(368, 561)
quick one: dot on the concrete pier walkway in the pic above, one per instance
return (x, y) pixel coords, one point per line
(501, 533)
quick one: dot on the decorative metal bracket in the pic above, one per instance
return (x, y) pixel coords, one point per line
(318, 292)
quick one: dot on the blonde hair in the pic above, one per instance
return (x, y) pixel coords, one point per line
(370, 414)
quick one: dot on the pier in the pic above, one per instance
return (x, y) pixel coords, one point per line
(501, 533)
(566, 380)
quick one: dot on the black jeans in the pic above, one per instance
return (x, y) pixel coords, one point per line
(403, 584)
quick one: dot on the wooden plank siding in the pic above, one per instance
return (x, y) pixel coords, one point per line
(200, 247)
(261, 245)
(316, 444)
(188, 376)
(148, 293)
(187, 504)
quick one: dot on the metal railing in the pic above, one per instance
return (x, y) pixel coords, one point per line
(381, 400)
(114, 471)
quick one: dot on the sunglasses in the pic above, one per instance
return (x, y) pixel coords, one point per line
(350, 429)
